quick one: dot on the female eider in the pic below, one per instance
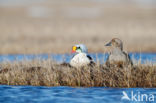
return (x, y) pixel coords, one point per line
(117, 56)
(81, 57)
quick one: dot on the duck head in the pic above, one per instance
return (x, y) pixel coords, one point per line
(115, 43)
(80, 48)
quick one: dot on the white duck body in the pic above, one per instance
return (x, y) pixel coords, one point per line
(80, 60)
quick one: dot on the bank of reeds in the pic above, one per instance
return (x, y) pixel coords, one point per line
(49, 73)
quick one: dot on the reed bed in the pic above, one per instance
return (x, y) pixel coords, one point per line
(49, 73)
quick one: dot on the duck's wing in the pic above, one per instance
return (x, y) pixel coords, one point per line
(91, 60)
(107, 61)
(89, 57)
(129, 59)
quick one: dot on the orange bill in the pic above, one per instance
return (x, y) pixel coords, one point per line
(73, 49)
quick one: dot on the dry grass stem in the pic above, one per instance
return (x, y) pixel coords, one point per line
(49, 73)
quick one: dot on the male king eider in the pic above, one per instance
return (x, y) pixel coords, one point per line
(117, 56)
(81, 58)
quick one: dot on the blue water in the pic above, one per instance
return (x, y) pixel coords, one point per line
(143, 57)
(32, 94)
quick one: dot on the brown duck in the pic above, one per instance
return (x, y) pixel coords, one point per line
(117, 57)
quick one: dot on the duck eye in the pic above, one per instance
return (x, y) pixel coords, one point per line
(78, 48)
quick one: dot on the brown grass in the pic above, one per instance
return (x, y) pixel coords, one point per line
(49, 73)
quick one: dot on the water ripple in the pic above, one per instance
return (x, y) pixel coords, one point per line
(39, 94)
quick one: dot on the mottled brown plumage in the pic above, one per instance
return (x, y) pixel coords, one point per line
(117, 56)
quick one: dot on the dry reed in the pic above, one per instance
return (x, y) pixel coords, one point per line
(49, 73)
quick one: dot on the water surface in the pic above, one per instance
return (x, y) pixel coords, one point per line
(41, 94)
(101, 57)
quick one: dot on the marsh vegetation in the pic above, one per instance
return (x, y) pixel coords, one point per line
(49, 73)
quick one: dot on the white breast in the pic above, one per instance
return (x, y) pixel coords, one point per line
(79, 60)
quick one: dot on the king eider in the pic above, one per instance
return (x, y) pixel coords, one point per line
(81, 57)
